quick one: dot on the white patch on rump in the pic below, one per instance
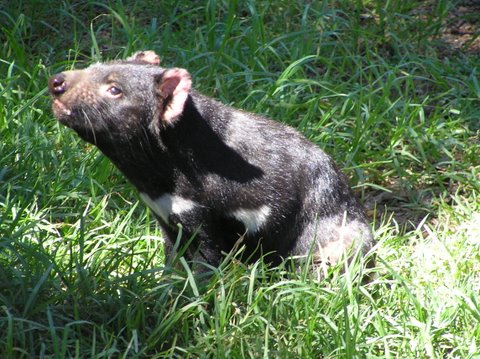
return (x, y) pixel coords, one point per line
(252, 219)
(167, 204)
(348, 238)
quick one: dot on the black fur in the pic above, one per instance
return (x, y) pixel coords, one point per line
(226, 172)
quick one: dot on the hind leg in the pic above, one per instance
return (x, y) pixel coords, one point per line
(326, 241)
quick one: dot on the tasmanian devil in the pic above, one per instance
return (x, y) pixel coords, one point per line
(219, 174)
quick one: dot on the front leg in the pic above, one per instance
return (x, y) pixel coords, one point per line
(191, 235)
(188, 223)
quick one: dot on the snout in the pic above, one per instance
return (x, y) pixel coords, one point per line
(57, 84)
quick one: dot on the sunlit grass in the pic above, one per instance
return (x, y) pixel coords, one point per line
(82, 271)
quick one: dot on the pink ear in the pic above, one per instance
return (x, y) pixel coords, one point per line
(174, 88)
(149, 57)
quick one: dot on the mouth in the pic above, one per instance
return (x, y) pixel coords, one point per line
(60, 110)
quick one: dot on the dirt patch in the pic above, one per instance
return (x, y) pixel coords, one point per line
(462, 28)
(381, 205)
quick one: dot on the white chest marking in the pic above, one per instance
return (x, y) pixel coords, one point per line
(167, 204)
(252, 219)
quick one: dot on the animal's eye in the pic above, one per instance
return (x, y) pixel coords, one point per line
(114, 91)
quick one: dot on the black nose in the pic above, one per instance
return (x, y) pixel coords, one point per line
(57, 84)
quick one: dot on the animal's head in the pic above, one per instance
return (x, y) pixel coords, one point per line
(120, 99)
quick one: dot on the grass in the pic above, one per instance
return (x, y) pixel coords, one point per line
(371, 82)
